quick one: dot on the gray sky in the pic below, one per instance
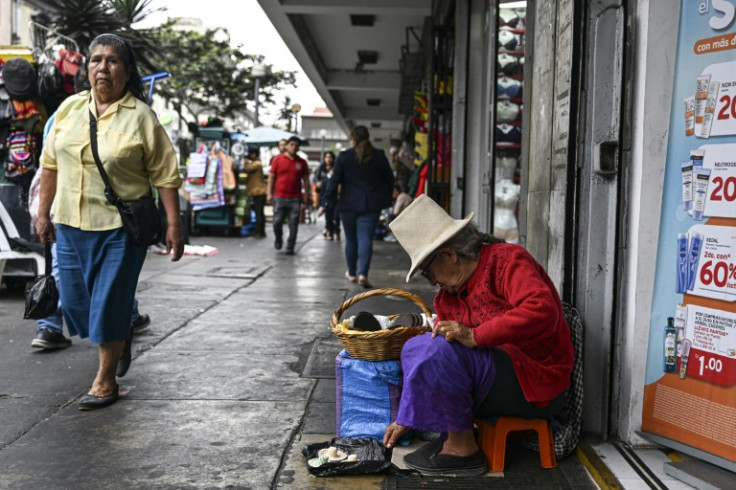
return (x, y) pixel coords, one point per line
(249, 26)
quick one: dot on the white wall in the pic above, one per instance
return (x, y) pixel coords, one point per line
(654, 49)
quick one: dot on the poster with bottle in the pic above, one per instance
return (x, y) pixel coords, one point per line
(690, 386)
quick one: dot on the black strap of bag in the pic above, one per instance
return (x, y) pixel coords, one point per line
(141, 218)
(110, 193)
(47, 256)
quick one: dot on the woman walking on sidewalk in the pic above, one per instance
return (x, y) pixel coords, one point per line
(366, 182)
(98, 264)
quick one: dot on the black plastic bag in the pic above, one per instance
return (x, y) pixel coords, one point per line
(371, 455)
(42, 296)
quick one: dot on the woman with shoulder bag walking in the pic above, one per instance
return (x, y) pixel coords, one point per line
(366, 182)
(99, 262)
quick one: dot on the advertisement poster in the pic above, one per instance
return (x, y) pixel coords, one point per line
(690, 387)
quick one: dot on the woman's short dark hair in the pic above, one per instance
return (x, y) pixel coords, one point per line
(468, 242)
(363, 146)
(135, 83)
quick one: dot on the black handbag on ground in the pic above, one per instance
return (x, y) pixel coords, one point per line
(141, 218)
(42, 296)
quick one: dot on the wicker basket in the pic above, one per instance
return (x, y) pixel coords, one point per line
(382, 345)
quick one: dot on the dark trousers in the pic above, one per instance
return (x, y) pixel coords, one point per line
(286, 208)
(332, 221)
(258, 204)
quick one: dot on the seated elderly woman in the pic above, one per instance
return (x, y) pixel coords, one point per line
(500, 345)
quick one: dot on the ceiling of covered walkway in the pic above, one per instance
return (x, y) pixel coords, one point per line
(351, 50)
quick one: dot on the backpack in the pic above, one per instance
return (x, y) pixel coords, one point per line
(20, 164)
(50, 79)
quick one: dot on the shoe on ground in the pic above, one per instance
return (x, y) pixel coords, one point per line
(427, 463)
(349, 277)
(50, 340)
(363, 281)
(278, 243)
(290, 251)
(126, 358)
(92, 402)
(141, 323)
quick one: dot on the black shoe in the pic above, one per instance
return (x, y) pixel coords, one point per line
(278, 243)
(92, 402)
(290, 251)
(48, 339)
(140, 323)
(431, 448)
(443, 464)
(124, 362)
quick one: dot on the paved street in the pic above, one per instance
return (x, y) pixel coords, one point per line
(232, 378)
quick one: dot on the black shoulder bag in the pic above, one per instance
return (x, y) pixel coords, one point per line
(141, 219)
(42, 296)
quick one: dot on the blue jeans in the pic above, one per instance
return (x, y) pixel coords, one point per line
(359, 229)
(282, 208)
(55, 322)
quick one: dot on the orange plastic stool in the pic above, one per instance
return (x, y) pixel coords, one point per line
(492, 440)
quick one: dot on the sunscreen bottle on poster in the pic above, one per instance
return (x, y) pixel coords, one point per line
(684, 357)
(687, 185)
(710, 109)
(693, 255)
(681, 263)
(680, 320)
(702, 83)
(689, 115)
(670, 349)
(696, 158)
(702, 177)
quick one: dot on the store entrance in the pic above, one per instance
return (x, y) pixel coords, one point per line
(554, 134)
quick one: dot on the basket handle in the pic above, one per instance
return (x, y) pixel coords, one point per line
(379, 292)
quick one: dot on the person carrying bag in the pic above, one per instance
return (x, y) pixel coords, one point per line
(42, 297)
(141, 219)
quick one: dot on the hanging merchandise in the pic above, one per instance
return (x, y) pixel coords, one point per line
(228, 176)
(209, 193)
(20, 79)
(6, 107)
(508, 88)
(20, 164)
(69, 62)
(507, 135)
(50, 79)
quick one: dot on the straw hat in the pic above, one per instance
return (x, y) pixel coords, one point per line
(422, 227)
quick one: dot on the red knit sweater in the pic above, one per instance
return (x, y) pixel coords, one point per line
(511, 303)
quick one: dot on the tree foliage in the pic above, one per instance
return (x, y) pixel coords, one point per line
(285, 113)
(83, 20)
(209, 75)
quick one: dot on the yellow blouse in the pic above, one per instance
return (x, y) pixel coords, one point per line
(133, 147)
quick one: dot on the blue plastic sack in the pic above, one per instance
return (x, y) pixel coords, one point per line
(368, 394)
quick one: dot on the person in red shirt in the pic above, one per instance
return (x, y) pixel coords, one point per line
(500, 345)
(288, 182)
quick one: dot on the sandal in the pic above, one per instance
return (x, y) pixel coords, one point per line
(349, 277)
